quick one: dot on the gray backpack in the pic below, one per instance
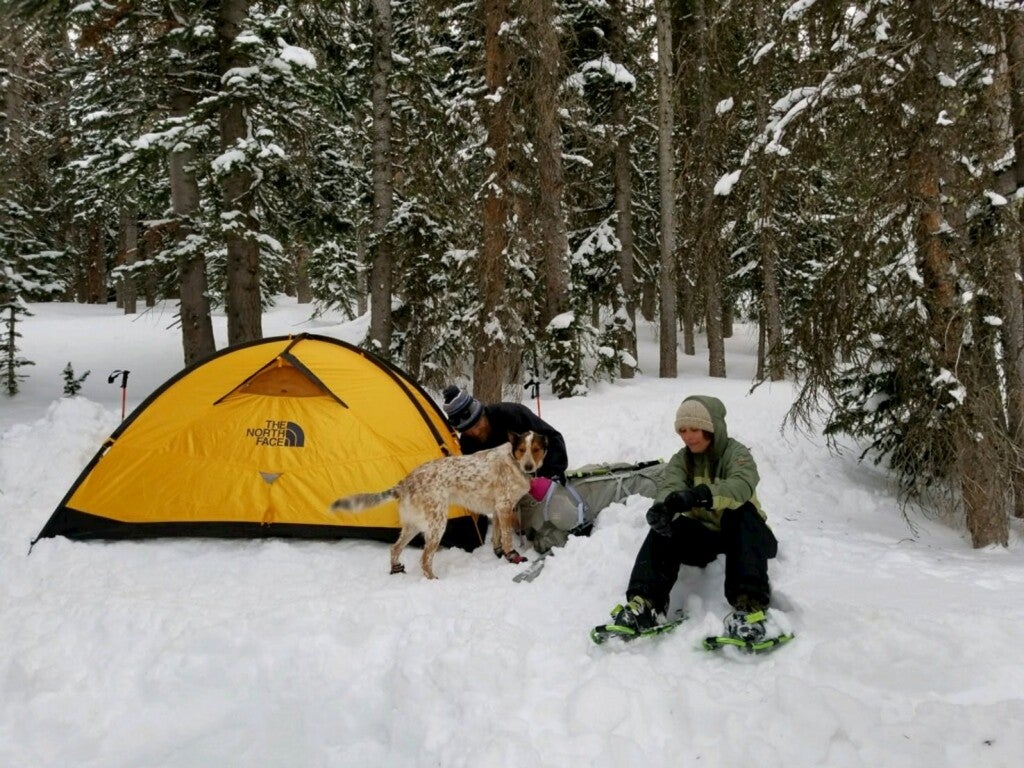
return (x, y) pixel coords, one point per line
(571, 509)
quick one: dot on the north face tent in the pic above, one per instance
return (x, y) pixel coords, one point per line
(257, 440)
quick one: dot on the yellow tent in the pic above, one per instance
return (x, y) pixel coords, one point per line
(257, 440)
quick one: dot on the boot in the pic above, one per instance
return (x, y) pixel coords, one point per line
(747, 621)
(637, 615)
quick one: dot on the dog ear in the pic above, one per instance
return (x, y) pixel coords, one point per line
(514, 438)
(541, 440)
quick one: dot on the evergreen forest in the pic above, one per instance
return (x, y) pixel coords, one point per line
(508, 187)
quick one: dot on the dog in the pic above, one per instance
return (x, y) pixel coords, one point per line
(489, 482)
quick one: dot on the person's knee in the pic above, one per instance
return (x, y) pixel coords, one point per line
(743, 515)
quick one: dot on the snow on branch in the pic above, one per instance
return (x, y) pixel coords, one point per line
(783, 112)
(797, 9)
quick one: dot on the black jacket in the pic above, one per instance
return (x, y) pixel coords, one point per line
(513, 417)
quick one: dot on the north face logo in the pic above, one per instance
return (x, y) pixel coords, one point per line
(285, 434)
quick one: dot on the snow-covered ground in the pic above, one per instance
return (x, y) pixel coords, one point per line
(187, 653)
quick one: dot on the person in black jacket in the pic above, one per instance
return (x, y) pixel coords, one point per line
(487, 426)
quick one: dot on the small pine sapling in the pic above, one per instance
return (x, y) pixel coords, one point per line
(11, 309)
(72, 385)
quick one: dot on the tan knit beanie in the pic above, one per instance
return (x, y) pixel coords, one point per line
(693, 415)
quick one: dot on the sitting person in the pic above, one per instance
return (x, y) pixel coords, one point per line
(487, 426)
(705, 506)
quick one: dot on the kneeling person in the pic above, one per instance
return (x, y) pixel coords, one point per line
(487, 426)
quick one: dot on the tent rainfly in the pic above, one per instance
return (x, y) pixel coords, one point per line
(257, 440)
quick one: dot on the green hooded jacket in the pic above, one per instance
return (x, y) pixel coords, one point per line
(726, 467)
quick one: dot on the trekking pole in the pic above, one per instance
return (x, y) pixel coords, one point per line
(534, 386)
(534, 383)
(124, 386)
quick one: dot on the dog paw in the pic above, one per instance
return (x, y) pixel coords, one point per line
(514, 557)
(397, 568)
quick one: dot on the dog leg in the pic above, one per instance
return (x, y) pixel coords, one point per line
(504, 524)
(406, 535)
(431, 541)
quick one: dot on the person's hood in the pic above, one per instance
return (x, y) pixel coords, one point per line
(716, 409)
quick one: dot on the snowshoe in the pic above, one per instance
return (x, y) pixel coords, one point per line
(603, 632)
(637, 618)
(749, 631)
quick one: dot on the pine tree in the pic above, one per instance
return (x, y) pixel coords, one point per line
(72, 383)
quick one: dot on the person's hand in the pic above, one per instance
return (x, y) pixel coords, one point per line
(659, 517)
(689, 498)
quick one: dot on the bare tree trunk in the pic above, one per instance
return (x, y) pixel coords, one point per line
(149, 280)
(766, 247)
(95, 268)
(1013, 312)
(242, 295)
(688, 293)
(708, 250)
(489, 349)
(716, 338)
(14, 109)
(382, 268)
(648, 301)
(762, 342)
(668, 366)
(623, 180)
(196, 323)
(562, 340)
(362, 278)
(554, 241)
(129, 254)
(303, 291)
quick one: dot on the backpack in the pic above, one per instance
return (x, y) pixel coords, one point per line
(570, 509)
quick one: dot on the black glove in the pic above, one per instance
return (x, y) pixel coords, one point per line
(689, 498)
(660, 519)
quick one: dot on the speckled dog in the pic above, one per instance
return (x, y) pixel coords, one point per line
(489, 482)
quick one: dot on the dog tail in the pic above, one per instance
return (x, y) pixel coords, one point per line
(360, 502)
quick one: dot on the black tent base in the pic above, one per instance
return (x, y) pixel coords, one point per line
(462, 532)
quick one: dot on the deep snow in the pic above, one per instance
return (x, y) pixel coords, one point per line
(186, 653)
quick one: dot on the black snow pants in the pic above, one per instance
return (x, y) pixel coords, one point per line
(745, 539)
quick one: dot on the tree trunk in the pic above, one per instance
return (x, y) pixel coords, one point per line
(623, 181)
(489, 349)
(382, 256)
(668, 362)
(128, 256)
(688, 298)
(759, 372)
(95, 266)
(563, 341)
(770, 298)
(1013, 310)
(196, 323)
(14, 111)
(303, 290)
(554, 241)
(242, 295)
(974, 436)
(150, 286)
(716, 338)
(362, 277)
(648, 300)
